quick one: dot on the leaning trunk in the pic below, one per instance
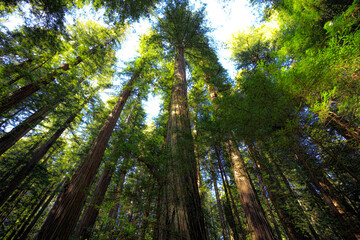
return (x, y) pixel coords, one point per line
(10, 138)
(248, 197)
(37, 155)
(62, 219)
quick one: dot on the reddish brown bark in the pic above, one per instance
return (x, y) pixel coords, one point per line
(276, 194)
(264, 192)
(37, 155)
(248, 196)
(62, 218)
(9, 139)
(228, 192)
(91, 212)
(181, 216)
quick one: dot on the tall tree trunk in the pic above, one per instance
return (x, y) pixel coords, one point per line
(277, 196)
(265, 194)
(348, 231)
(182, 216)
(228, 192)
(248, 197)
(37, 155)
(27, 217)
(91, 212)
(84, 228)
(218, 204)
(36, 218)
(196, 152)
(37, 212)
(22, 93)
(62, 218)
(10, 138)
(114, 210)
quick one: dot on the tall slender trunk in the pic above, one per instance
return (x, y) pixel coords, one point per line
(84, 228)
(10, 138)
(27, 217)
(277, 196)
(36, 218)
(62, 218)
(248, 196)
(115, 209)
(37, 155)
(228, 192)
(196, 152)
(91, 212)
(349, 231)
(182, 216)
(265, 194)
(6, 212)
(22, 93)
(218, 204)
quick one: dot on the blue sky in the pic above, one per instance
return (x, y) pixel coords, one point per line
(224, 17)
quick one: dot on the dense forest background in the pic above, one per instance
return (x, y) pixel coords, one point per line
(270, 154)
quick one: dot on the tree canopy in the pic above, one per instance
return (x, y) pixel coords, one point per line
(271, 152)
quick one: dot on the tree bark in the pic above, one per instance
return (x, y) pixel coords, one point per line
(10, 138)
(62, 218)
(264, 191)
(248, 197)
(37, 155)
(114, 210)
(348, 231)
(84, 228)
(91, 212)
(228, 192)
(218, 204)
(181, 216)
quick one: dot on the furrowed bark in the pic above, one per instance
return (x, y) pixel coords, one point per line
(62, 219)
(182, 216)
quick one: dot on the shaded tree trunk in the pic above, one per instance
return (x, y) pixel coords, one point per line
(228, 193)
(181, 216)
(277, 196)
(265, 194)
(349, 231)
(114, 210)
(248, 197)
(37, 155)
(84, 228)
(10, 138)
(218, 204)
(62, 218)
